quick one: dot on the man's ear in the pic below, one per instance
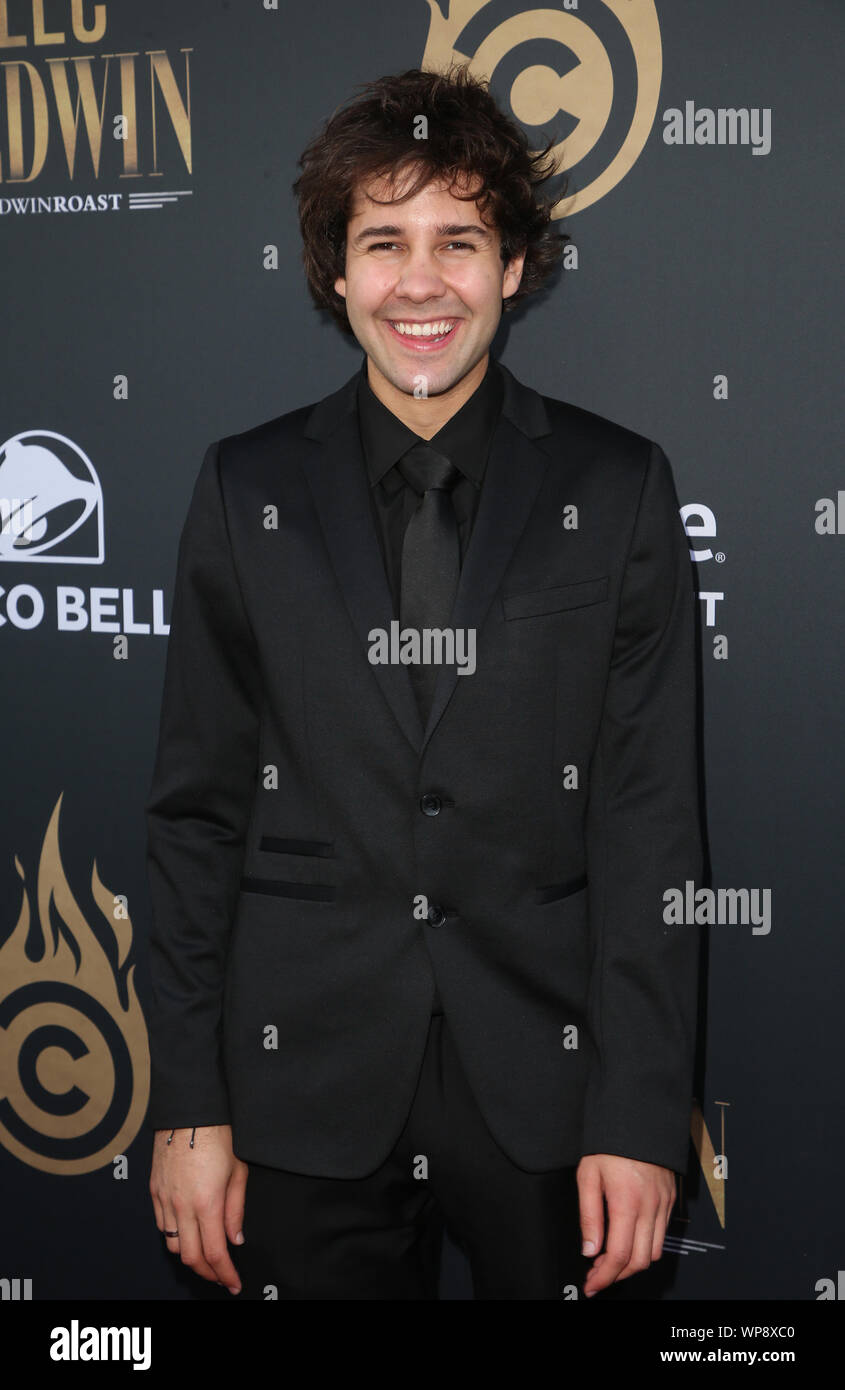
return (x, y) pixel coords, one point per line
(340, 285)
(513, 275)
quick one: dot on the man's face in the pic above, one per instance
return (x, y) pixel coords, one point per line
(428, 261)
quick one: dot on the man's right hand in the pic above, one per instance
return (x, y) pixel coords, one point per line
(200, 1193)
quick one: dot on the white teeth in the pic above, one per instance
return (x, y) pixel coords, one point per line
(424, 330)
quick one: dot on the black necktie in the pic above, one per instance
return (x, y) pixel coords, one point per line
(431, 556)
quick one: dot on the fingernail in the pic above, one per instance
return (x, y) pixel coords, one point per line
(233, 1288)
(239, 1238)
(591, 1294)
(588, 1248)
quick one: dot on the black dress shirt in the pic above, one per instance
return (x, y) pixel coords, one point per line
(464, 439)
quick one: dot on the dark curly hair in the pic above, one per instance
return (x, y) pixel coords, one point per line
(372, 135)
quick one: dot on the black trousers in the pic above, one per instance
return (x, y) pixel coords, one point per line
(380, 1237)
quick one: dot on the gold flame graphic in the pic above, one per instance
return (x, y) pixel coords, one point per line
(707, 1158)
(74, 1055)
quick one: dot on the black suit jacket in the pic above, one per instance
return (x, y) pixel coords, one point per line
(290, 842)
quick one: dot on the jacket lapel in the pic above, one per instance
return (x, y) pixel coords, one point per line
(338, 480)
(337, 477)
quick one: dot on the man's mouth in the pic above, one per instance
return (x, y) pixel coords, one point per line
(423, 335)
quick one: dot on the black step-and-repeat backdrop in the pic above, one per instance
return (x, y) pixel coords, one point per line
(153, 301)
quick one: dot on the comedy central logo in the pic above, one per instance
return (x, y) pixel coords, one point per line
(74, 1054)
(598, 83)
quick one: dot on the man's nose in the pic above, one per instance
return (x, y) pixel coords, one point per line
(421, 278)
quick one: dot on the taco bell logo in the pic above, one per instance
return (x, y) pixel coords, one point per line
(51, 502)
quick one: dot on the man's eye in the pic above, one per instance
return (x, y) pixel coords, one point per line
(380, 245)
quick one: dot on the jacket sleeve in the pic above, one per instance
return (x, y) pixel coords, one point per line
(643, 837)
(197, 813)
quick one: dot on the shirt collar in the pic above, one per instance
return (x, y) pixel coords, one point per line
(465, 438)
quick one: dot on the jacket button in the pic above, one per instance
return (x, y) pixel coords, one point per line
(430, 804)
(436, 915)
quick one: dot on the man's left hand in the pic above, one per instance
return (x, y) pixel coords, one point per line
(639, 1198)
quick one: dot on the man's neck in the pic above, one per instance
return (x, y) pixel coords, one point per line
(425, 415)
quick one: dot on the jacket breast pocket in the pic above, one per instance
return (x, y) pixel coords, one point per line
(535, 603)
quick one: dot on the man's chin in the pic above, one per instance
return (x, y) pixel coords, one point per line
(407, 378)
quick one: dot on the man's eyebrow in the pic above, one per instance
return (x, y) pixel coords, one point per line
(451, 229)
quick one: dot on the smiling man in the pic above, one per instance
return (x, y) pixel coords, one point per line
(424, 298)
(410, 964)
